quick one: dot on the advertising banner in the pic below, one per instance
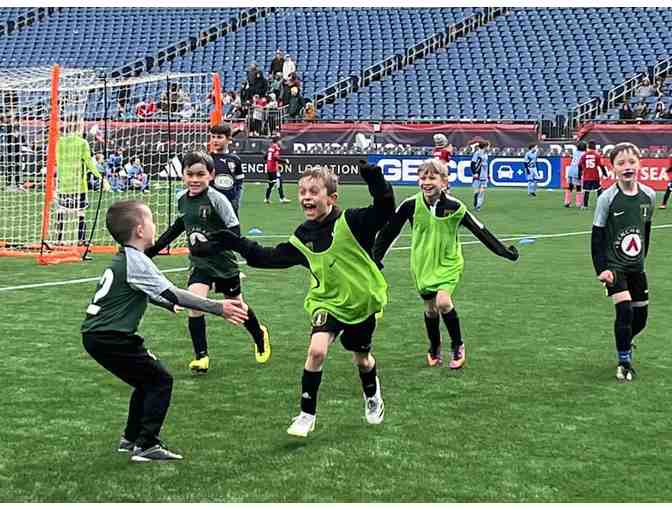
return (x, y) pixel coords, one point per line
(653, 173)
(642, 135)
(502, 172)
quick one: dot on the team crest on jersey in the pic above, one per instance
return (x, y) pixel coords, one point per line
(319, 318)
(224, 181)
(204, 212)
(630, 242)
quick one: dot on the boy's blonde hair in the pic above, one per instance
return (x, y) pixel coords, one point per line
(326, 175)
(434, 167)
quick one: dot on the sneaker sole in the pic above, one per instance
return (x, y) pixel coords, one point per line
(295, 434)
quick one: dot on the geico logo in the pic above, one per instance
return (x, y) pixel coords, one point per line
(400, 170)
(458, 171)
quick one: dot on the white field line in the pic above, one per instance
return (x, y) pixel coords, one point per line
(394, 248)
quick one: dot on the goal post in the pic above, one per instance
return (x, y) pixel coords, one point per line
(113, 139)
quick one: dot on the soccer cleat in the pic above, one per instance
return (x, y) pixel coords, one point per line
(301, 425)
(154, 453)
(201, 365)
(457, 358)
(285, 200)
(434, 361)
(625, 374)
(267, 201)
(662, 206)
(263, 357)
(374, 408)
(125, 446)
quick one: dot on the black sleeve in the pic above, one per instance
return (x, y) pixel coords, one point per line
(647, 237)
(365, 222)
(163, 304)
(598, 248)
(391, 230)
(166, 238)
(282, 256)
(488, 238)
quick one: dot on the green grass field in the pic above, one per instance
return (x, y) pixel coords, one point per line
(535, 416)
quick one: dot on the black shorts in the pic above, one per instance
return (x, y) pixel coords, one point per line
(354, 337)
(230, 287)
(272, 176)
(634, 282)
(73, 201)
(591, 185)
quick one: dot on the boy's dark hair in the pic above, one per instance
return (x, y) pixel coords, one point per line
(276, 138)
(195, 157)
(326, 175)
(531, 146)
(624, 147)
(483, 145)
(122, 217)
(581, 146)
(221, 129)
(592, 145)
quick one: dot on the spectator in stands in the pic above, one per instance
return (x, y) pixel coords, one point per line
(173, 100)
(259, 87)
(310, 112)
(244, 91)
(645, 89)
(277, 62)
(146, 109)
(641, 110)
(94, 183)
(295, 104)
(668, 113)
(659, 110)
(625, 112)
(275, 84)
(252, 72)
(288, 67)
(137, 178)
(658, 85)
(115, 173)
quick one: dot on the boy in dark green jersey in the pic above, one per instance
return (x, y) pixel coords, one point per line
(436, 253)
(347, 289)
(202, 212)
(112, 319)
(619, 244)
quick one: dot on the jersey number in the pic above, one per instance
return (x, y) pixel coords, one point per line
(105, 284)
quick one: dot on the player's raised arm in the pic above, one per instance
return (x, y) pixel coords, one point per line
(372, 218)
(390, 232)
(488, 238)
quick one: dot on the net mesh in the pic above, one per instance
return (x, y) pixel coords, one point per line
(117, 139)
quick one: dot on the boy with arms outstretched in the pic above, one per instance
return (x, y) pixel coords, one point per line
(347, 288)
(619, 244)
(436, 253)
(202, 212)
(112, 319)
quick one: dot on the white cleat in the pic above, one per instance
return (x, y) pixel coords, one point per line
(374, 408)
(301, 425)
(623, 374)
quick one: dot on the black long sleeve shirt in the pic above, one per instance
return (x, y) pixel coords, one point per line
(445, 205)
(364, 223)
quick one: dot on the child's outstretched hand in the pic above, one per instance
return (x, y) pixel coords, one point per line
(367, 171)
(234, 311)
(513, 253)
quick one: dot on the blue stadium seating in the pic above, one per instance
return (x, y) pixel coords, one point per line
(532, 63)
(101, 37)
(327, 43)
(12, 13)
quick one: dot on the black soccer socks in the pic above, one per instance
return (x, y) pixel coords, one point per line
(452, 322)
(432, 325)
(254, 328)
(310, 383)
(368, 381)
(198, 336)
(623, 330)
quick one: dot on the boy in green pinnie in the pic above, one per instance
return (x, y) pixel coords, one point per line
(436, 254)
(347, 289)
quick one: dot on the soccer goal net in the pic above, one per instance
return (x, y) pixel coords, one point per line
(73, 142)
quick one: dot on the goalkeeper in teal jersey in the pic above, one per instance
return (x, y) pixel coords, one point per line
(436, 253)
(73, 161)
(204, 211)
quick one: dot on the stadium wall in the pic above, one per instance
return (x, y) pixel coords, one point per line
(503, 172)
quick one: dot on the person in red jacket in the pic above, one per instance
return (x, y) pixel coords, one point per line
(591, 167)
(442, 149)
(273, 172)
